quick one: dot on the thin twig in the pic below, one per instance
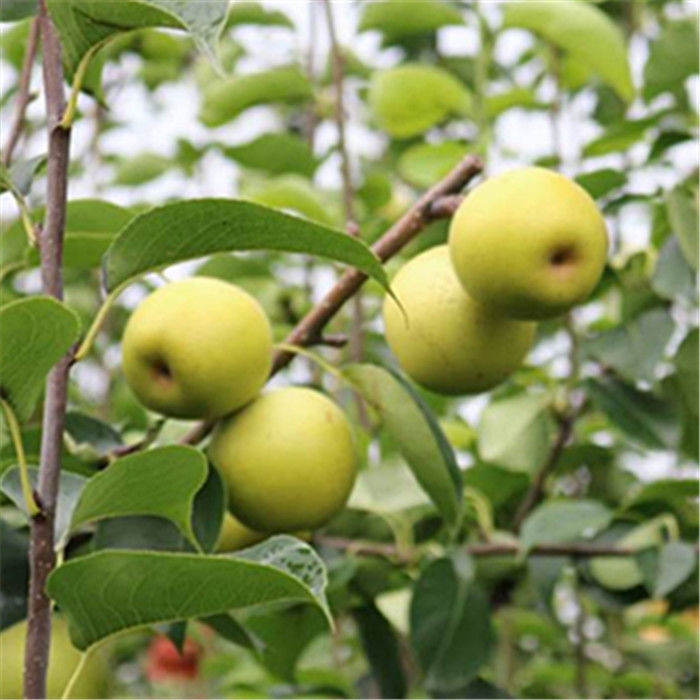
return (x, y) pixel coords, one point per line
(23, 96)
(41, 554)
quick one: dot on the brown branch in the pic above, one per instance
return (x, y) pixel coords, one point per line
(41, 554)
(23, 96)
(481, 549)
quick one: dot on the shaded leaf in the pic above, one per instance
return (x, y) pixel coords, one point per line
(673, 277)
(192, 229)
(418, 435)
(682, 210)
(676, 561)
(34, 334)
(111, 591)
(601, 182)
(14, 10)
(90, 437)
(14, 575)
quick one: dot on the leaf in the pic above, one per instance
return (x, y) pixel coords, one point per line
(564, 521)
(621, 135)
(223, 100)
(91, 224)
(410, 99)
(34, 334)
(112, 591)
(382, 650)
(682, 212)
(21, 174)
(417, 434)
(85, 25)
(635, 348)
(500, 102)
(450, 626)
(140, 169)
(676, 561)
(667, 491)
(585, 32)
(673, 277)
(397, 19)
(601, 182)
(686, 363)
(640, 415)
(673, 58)
(425, 163)
(14, 575)
(246, 12)
(295, 194)
(14, 10)
(275, 154)
(192, 229)
(89, 437)
(159, 482)
(516, 432)
(70, 487)
(208, 510)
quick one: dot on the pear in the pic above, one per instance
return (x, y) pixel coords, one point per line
(529, 243)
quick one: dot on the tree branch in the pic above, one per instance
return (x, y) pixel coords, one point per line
(41, 554)
(23, 96)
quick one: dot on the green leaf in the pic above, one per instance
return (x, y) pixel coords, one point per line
(113, 591)
(673, 58)
(500, 102)
(640, 415)
(70, 487)
(14, 575)
(686, 363)
(397, 19)
(91, 224)
(141, 169)
(425, 163)
(564, 521)
(676, 561)
(682, 210)
(292, 193)
(88, 437)
(585, 32)
(673, 277)
(635, 348)
(450, 626)
(417, 434)
(14, 10)
(247, 12)
(601, 182)
(160, 482)
(223, 100)
(34, 334)
(667, 491)
(85, 25)
(275, 154)
(410, 99)
(192, 229)
(20, 175)
(516, 432)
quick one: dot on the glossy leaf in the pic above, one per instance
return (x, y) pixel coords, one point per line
(192, 229)
(112, 591)
(585, 32)
(34, 334)
(416, 432)
(159, 482)
(410, 99)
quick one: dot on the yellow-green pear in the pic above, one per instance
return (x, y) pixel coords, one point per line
(529, 243)
(235, 535)
(93, 681)
(198, 348)
(621, 573)
(447, 342)
(288, 459)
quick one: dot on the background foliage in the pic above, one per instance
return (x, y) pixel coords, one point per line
(212, 100)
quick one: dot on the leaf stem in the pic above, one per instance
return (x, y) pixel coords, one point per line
(96, 325)
(78, 79)
(75, 677)
(16, 435)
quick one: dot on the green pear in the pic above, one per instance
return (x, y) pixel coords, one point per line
(288, 459)
(529, 243)
(199, 348)
(621, 573)
(93, 681)
(447, 342)
(235, 535)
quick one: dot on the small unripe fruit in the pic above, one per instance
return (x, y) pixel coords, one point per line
(447, 342)
(288, 459)
(198, 348)
(529, 243)
(235, 535)
(93, 681)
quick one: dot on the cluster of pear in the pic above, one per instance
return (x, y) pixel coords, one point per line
(202, 348)
(523, 246)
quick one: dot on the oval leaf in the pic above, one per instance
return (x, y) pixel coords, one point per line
(113, 591)
(34, 334)
(186, 230)
(585, 32)
(397, 19)
(418, 436)
(161, 482)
